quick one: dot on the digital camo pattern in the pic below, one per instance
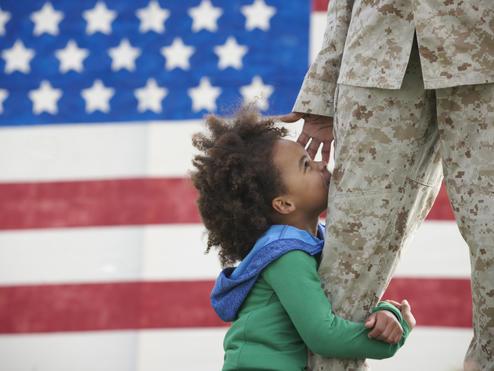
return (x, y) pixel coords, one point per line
(389, 146)
(456, 41)
(465, 117)
(372, 39)
(383, 140)
(317, 93)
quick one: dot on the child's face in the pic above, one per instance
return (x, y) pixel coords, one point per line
(306, 181)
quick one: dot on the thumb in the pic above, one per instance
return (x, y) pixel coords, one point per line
(291, 117)
(371, 321)
(405, 307)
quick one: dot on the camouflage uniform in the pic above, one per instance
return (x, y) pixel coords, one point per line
(403, 116)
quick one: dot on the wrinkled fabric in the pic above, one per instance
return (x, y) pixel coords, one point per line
(391, 149)
(234, 284)
(367, 43)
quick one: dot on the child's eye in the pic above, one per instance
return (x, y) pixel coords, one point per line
(306, 165)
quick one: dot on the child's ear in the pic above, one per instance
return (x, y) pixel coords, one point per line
(283, 205)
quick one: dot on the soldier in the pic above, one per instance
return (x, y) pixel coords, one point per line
(409, 85)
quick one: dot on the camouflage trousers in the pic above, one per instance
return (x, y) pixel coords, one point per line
(392, 148)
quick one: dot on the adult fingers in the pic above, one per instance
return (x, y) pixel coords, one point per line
(313, 147)
(303, 139)
(326, 151)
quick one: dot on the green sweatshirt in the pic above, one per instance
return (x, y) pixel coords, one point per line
(287, 311)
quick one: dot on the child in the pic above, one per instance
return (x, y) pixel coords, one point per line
(260, 197)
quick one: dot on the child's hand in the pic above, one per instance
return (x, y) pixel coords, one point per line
(385, 327)
(406, 312)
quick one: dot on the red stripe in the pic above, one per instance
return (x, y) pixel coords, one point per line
(97, 203)
(441, 210)
(114, 202)
(145, 305)
(111, 306)
(435, 302)
(320, 5)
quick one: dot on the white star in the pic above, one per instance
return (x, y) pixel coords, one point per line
(204, 96)
(46, 20)
(99, 19)
(45, 98)
(150, 96)
(257, 93)
(205, 16)
(71, 57)
(177, 54)
(18, 58)
(258, 15)
(97, 97)
(152, 18)
(3, 95)
(4, 18)
(124, 56)
(230, 54)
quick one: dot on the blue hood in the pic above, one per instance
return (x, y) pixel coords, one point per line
(234, 284)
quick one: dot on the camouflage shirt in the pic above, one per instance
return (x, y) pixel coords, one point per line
(367, 43)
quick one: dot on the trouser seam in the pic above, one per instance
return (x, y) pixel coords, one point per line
(421, 183)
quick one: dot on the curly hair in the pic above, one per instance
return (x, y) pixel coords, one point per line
(237, 181)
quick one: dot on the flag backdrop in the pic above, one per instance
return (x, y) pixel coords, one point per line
(101, 264)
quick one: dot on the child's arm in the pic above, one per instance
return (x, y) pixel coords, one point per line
(294, 279)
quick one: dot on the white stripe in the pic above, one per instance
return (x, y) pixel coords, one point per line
(78, 351)
(436, 250)
(170, 147)
(429, 348)
(184, 350)
(317, 27)
(71, 255)
(65, 152)
(99, 151)
(438, 349)
(175, 252)
(105, 254)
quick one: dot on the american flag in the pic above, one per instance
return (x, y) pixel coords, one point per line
(101, 264)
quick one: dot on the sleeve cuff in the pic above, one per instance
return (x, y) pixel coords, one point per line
(317, 105)
(389, 307)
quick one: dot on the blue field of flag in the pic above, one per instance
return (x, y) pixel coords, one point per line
(113, 60)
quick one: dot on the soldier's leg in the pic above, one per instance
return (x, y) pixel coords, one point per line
(466, 126)
(387, 175)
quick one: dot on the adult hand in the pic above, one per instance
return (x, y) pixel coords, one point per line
(318, 129)
(406, 312)
(385, 327)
